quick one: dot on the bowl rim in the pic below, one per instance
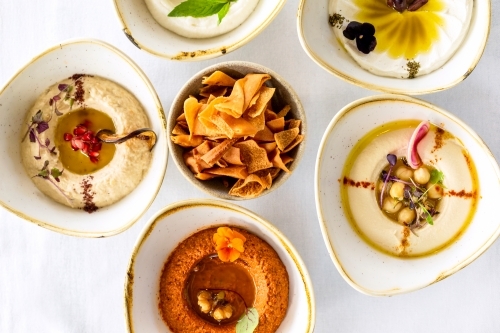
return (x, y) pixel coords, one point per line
(197, 56)
(163, 125)
(213, 203)
(349, 79)
(301, 147)
(322, 220)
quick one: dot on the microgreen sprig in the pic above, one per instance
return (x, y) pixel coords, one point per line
(202, 8)
(38, 126)
(51, 175)
(66, 89)
(392, 159)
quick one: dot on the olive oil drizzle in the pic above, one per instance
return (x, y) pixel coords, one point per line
(405, 34)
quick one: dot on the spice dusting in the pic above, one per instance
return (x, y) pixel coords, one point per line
(88, 195)
(353, 183)
(79, 92)
(336, 20)
(412, 67)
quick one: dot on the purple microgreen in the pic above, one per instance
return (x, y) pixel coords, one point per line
(392, 159)
(56, 173)
(42, 127)
(428, 216)
(51, 101)
(47, 141)
(53, 150)
(37, 118)
(62, 87)
(56, 98)
(407, 192)
(45, 165)
(32, 135)
(37, 157)
(57, 112)
(383, 187)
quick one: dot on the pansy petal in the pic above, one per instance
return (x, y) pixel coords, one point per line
(237, 244)
(225, 232)
(222, 245)
(236, 234)
(233, 255)
(224, 254)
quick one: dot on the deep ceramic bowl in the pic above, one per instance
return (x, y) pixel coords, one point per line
(168, 228)
(371, 271)
(319, 42)
(18, 194)
(237, 69)
(144, 32)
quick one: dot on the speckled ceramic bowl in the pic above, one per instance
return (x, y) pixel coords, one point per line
(168, 228)
(371, 271)
(18, 194)
(319, 42)
(236, 69)
(144, 32)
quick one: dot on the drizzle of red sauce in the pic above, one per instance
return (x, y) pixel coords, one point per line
(462, 194)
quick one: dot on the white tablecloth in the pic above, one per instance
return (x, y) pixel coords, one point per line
(55, 283)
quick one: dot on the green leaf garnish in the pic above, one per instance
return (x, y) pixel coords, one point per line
(248, 321)
(437, 177)
(202, 8)
(55, 173)
(428, 218)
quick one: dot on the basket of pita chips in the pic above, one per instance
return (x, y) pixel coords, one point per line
(237, 130)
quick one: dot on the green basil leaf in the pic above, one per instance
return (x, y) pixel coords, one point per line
(248, 321)
(223, 12)
(198, 8)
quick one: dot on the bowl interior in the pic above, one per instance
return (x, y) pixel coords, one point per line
(19, 194)
(319, 42)
(284, 95)
(369, 270)
(143, 30)
(168, 228)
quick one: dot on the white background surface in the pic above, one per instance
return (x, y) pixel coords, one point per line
(55, 283)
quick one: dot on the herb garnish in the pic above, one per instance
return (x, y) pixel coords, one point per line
(248, 321)
(336, 20)
(202, 8)
(55, 173)
(38, 126)
(412, 67)
(63, 88)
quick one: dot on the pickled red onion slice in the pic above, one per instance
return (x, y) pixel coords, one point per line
(412, 157)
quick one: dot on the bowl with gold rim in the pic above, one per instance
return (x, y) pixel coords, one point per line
(194, 33)
(407, 199)
(59, 174)
(422, 48)
(175, 263)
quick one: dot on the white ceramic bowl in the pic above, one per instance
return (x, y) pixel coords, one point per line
(237, 69)
(178, 221)
(18, 193)
(319, 42)
(144, 32)
(364, 268)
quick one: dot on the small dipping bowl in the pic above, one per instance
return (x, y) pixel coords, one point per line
(237, 69)
(371, 271)
(147, 34)
(318, 40)
(18, 194)
(167, 228)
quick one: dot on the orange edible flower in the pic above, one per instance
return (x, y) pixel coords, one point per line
(229, 244)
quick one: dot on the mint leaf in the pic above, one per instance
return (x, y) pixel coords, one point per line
(223, 12)
(248, 321)
(437, 177)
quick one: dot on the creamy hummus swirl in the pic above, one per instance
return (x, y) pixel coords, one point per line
(445, 153)
(454, 17)
(131, 159)
(203, 27)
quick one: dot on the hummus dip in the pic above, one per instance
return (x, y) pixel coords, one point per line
(410, 43)
(200, 27)
(439, 149)
(120, 167)
(258, 276)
